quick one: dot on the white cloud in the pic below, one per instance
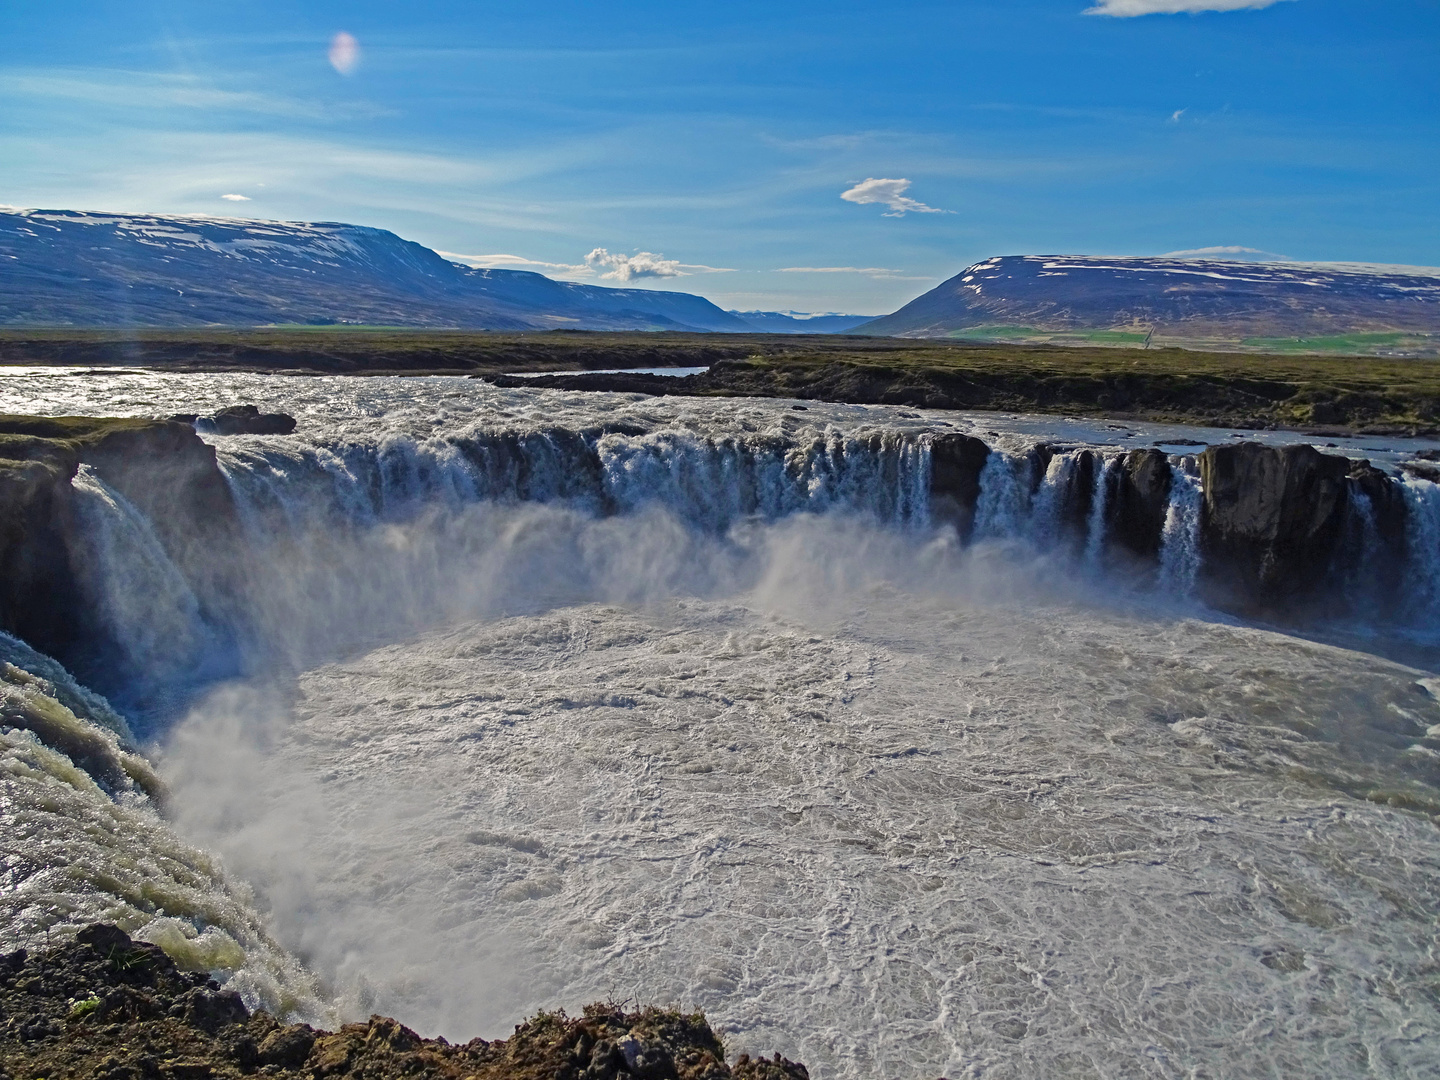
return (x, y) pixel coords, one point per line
(514, 262)
(344, 53)
(1231, 251)
(1176, 115)
(644, 264)
(236, 198)
(1128, 9)
(890, 193)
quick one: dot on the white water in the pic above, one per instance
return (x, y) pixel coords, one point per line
(1105, 469)
(763, 743)
(1180, 540)
(1423, 528)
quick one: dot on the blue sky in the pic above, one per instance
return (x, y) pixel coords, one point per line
(707, 147)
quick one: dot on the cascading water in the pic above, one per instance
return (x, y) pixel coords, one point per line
(1180, 539)
(551, 697)
(135, 589)
(1047, 527)
(1002, 510)
(1422, 499)
(1105, 470)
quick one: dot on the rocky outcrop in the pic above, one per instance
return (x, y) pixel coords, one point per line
(108, 1007)
(955, 465)
(1272, 521)
(1140, 502)
(239, 420)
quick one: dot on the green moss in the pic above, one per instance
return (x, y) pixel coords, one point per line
(84, 1008)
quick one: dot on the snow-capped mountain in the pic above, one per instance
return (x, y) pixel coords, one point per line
(1199, 297)
(71, 268)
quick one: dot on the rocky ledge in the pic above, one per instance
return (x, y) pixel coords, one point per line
(107, 1007)
(161, 467)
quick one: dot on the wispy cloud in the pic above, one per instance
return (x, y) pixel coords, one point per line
(870, 271)
(644, 264)
(236, 198)
(1129, 9)
(889, 193)
(119, 89)
(514, 262)
(1232, 251)
(1176, 115)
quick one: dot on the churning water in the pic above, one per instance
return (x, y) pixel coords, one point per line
(540, 698)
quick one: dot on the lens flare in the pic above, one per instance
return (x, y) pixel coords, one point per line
(344, 53)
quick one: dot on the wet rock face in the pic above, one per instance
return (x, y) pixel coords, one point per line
(1376, 545)
(1271, 522)
(162, 467)
(1141, 500)
(955, 464)
(37, 590)
(105, 1006)
(249, 420)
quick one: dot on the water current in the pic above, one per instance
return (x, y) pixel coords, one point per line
(535, 698)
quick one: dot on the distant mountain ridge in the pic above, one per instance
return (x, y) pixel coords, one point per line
(74, 268)
(1178, 297)
(794, 322)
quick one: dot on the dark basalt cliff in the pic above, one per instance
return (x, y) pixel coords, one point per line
(1273, 521)
(107, 1007)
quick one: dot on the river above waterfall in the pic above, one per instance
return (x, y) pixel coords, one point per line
(428, 405)
(525, 698)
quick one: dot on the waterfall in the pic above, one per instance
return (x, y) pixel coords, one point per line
(1099, 507)
(1002, 509)
(134, 588)
(1052, 499)
(352, 540)
(1422, 580)
(710, 483)
(1180, 539)
(1361, 549)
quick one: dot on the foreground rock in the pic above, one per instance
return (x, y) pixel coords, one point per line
(108, 1007)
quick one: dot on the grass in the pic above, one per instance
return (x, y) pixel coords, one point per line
(1031, 334)
(1403, 344)
(1351, 344)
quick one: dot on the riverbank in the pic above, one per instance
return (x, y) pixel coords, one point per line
(1319, 394)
